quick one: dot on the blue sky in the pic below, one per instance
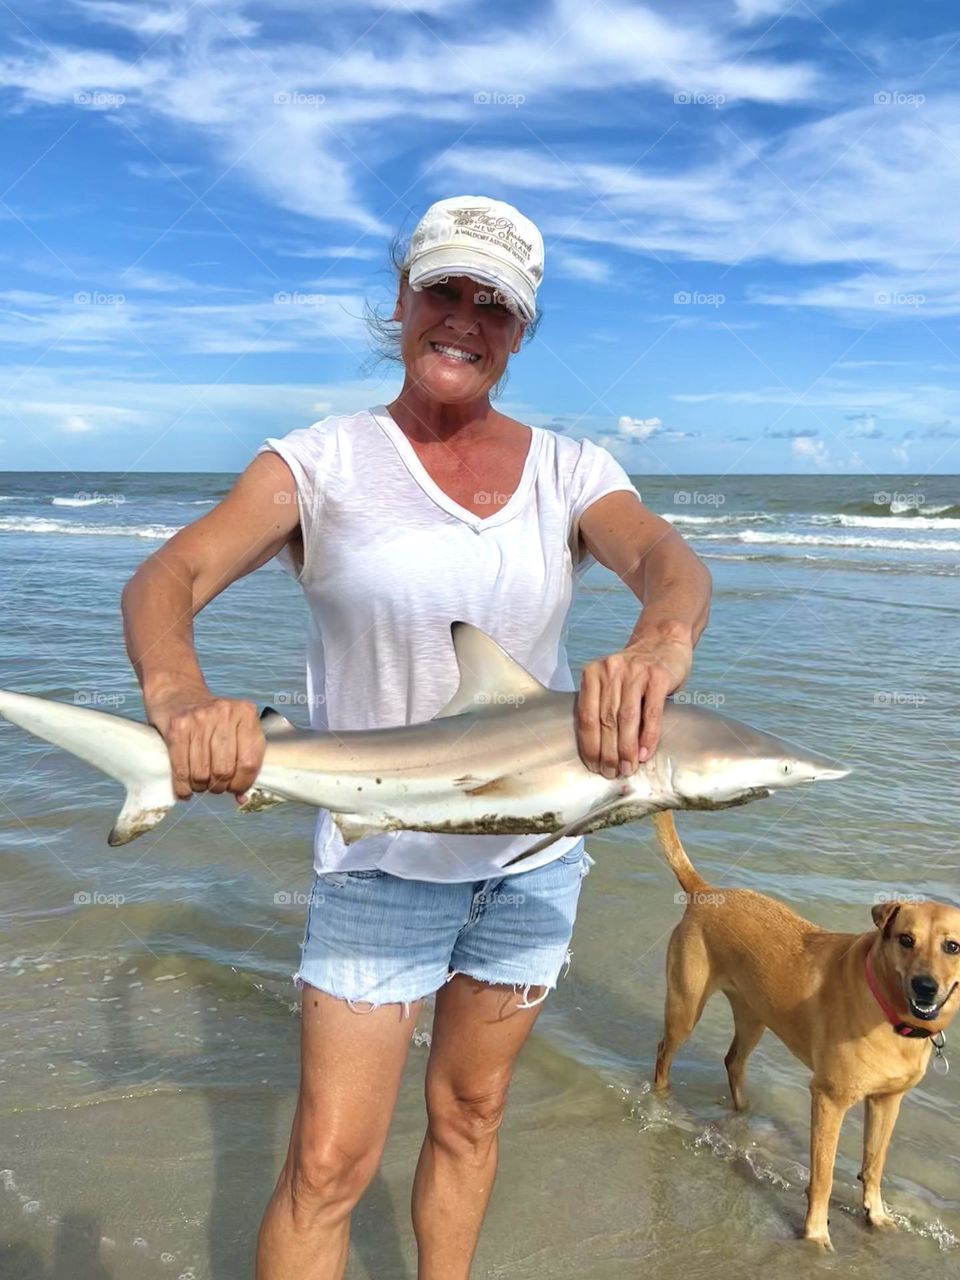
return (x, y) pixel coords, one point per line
(750, 210)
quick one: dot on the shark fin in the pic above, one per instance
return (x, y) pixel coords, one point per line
(353, 826)
(146, 805)
(274, 725)
(575, 828)
(488, 675)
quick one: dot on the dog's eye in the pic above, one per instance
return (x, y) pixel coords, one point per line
(952, 948)
(906, 940)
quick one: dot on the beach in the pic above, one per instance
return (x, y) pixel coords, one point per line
(148, 1020)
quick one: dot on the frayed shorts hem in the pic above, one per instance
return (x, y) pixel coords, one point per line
(521, 989)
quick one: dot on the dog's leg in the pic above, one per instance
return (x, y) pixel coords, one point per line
(688, 988)
(826, 1118)
(880, 1117)
(748, 1029)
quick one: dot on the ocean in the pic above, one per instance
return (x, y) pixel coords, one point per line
(148, 1022)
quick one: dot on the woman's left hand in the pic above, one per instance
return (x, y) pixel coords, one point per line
(621, 690)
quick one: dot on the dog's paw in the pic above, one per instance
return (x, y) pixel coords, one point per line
(820, 1238)
(881, 1219)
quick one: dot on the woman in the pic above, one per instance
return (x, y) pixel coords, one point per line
(397, 521)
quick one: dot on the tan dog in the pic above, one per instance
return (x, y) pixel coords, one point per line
(862, 1011)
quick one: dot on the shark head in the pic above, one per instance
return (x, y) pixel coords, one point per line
(713, 761)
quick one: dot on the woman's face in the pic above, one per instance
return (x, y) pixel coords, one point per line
(456, 338)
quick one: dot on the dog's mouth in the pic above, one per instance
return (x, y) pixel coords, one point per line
(925, 1012)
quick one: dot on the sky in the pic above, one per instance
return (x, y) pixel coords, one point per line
(749, 207)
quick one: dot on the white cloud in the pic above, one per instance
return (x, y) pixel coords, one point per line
(290, 320)
(851, 191)
(864, 424)
(809, 449)
(638, 429)
(75, 423)
(576, 266)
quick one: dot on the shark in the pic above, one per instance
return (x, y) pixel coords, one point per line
(500, 758)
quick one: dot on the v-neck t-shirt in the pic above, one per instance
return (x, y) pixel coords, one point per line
(389, 561)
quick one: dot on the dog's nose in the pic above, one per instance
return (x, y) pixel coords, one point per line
(924, 987)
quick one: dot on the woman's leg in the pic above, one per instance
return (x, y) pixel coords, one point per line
(350, 1068)
(478, 1030)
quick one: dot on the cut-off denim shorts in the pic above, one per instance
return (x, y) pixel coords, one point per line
(373, 938)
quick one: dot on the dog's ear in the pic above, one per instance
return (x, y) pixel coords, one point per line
(884, 914)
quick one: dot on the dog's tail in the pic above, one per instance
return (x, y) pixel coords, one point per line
(675, 854)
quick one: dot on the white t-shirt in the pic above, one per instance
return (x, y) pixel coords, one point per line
(389, 561)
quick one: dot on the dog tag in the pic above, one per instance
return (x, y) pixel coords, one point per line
(940, 1064)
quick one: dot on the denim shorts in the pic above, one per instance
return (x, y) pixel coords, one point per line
(373, 938)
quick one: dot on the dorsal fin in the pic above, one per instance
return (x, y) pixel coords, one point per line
(274, 725)
(488, 675)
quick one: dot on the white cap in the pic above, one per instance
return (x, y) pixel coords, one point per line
(485, 239)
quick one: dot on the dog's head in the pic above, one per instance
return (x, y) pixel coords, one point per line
(920, 944)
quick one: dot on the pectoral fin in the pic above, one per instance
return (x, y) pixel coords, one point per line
(575, 828)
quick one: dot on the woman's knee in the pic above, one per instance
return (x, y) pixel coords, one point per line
(325, 1180)
(466, 1120)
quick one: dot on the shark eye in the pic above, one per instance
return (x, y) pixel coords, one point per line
(786, 767)
(952, 948)
(906, 940)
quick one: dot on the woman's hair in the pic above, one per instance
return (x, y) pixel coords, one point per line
(385, 333)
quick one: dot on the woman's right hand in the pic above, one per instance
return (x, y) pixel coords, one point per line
(215, 744)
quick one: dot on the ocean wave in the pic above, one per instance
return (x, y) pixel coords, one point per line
(903, 507)
(890, 522)
(841, 542)
(104, 499)
(744, 517)
(31, 524)
(848, 564)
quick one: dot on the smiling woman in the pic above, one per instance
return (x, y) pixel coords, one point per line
(396, 521)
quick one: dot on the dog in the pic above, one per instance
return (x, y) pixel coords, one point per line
(863, 1011)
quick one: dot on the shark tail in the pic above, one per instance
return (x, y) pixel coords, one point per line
(134, 754)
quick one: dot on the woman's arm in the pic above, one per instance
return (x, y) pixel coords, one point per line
(215, 744)
(673, 583)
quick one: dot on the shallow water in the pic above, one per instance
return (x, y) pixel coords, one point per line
(148, 1032)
